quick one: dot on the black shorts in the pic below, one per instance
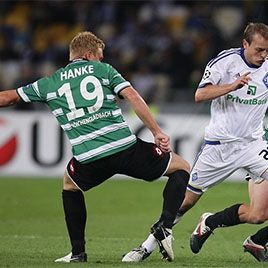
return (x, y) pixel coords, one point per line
(143, 160)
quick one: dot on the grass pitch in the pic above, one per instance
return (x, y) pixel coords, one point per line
(120, 213)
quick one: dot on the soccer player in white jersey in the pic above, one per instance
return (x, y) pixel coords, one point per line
(236, 81)
(82, 97)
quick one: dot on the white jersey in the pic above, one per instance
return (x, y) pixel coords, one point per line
(239, 114)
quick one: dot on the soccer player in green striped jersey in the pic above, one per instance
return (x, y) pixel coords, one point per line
(82, 97)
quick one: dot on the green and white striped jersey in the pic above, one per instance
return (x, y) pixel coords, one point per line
(82, 96)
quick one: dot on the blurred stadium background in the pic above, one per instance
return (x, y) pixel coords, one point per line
(162, 47)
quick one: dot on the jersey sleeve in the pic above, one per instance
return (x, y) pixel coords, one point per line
(117, 81)
(212, 75)
(217, 69)
(35, 91)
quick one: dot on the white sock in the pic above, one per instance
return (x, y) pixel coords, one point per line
(150, 243)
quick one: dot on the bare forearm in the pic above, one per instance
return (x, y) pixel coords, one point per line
(143, 112)
(141, 109)
(211, 92)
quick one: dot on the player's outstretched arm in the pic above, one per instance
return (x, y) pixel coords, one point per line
(210, 92)
(142, 110)
(9, 97)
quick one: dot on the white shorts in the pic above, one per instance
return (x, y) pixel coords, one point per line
(216, 162)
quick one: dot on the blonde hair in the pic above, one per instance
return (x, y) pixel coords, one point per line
(254, 28)
(84, 42)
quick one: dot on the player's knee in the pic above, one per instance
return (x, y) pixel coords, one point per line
(68, 184)
(178, 162)
(186, 166)
(70, 187)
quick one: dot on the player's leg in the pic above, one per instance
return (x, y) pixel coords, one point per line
(204, 175)
(161, 232)
(256, 213)
(250, 158)
(189, 201)
(209, 222)
(149, 164)
(150, 243)
(256, 163)
(174, 191)
(75, 218)
(77, 178)
(256, 245)
(173, 196)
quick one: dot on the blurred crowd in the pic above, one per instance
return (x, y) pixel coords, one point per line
(160, 46)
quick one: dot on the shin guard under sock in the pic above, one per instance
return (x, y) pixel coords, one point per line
(224, 218)
(75, 217)
(261, 237)
(173, 195)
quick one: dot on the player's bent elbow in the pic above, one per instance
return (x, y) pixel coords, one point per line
(198, 98)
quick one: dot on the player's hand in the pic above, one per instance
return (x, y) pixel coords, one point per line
(163, 142)
(241, 81)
